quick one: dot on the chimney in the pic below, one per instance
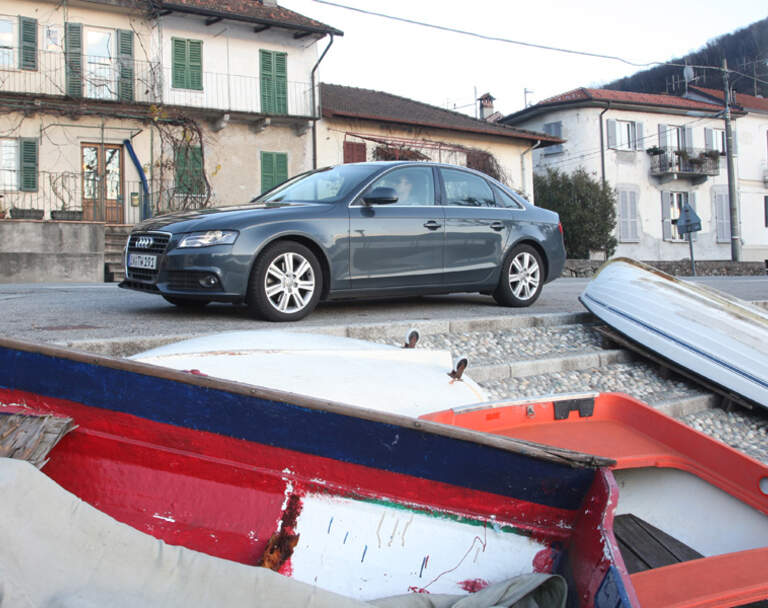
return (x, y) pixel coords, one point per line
(486, 105)
(270, 3)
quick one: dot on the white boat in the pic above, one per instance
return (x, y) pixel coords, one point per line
(386, 378)
(714, 335)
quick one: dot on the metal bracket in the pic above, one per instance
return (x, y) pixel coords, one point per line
(585, 407)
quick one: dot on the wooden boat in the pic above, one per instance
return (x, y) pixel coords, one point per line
(717, 337)
(355, 501)
(691, 514)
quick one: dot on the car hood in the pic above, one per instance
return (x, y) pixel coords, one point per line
(225, 217)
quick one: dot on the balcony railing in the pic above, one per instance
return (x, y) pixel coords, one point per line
(691, 163)
(106, 78)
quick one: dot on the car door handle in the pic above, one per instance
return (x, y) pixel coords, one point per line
(432, 225)
(497, 226)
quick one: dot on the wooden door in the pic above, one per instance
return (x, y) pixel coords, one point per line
(102, 187)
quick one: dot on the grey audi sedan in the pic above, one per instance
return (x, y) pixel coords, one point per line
(353, 231)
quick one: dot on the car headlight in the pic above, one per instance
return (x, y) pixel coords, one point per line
(208, 238)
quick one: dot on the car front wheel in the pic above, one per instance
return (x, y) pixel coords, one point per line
(285, 283)
(521, 278)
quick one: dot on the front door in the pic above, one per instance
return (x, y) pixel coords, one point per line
(102, 182)
(398, 245)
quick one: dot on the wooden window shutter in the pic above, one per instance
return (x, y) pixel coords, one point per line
(179, 63)
(125, 65)
(267, 74)
(634, 217)
(709, 139)
(73, 55)
(735, 142)
(663, 143)
(281, 168)
(27, 43)
(28, 165)
(723, 218)
(611, 129)
(639, 142)
(281, 83)
(688, 139)
(195, 64)
(189, 170)
(623, 216)
(354, 152)
(267, 171)
(666, 219)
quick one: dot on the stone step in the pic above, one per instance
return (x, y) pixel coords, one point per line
(535, 367)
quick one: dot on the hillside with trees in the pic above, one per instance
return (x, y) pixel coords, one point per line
(746, 51)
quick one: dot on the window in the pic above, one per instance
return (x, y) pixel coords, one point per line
(415, 186)
(629, 219)
(6, 43)
(625, 135)
(354, 152)
(555, 129)
(274, 169)
(722, 217)
(187, 64)
(99, 64)
(9, 164)
(274, 83)
(189, 171)
(505, 200)
(671, 206)
(466, 189)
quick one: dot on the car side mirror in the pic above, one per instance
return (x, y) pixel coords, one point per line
(380, 196)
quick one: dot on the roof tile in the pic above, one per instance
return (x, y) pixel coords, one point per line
(585, 94)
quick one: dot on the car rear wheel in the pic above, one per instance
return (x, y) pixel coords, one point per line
(187, 303)
(285, 283)
(521, 278)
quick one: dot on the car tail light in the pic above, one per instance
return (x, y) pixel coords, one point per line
(560, 228)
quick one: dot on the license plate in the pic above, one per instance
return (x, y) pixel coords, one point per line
(137, 260)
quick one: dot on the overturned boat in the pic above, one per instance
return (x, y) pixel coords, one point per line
(354, 501)
(717, 337)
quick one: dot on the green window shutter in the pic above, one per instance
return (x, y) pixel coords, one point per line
(27, 43)
(189, 170)
(267, 82)
(267, 171)
(179, 63)
(125, 62)
(281, 168)
(28, 165)
(281, 83)
(195, 64)
(73, 54)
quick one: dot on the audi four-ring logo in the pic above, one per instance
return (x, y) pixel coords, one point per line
(144, 242)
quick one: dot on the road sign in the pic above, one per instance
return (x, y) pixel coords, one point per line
(688, 220)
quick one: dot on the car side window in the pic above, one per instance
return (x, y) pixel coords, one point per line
(415, 186)
(467, 190)
(505, 200)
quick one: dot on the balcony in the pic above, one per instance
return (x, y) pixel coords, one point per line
(693, 164)
(143, 82)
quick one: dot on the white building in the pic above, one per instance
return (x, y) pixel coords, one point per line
(658, 152)
(115, 107)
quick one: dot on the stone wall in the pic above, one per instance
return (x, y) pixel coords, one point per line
(586, 268)
(46, 251)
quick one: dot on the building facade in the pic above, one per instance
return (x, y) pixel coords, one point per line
(116, 110)
(659, 152)
(363, 125)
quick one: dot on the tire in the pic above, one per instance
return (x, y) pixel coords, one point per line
(522, 277)
(187, 303)
(285, 283)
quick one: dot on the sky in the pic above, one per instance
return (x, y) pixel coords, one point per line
(447, 69)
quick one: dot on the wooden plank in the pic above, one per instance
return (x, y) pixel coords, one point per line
(648, 547)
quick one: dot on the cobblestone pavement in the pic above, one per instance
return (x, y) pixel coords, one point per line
(742, 429)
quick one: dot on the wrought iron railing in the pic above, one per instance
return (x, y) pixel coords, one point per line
(110, 79)
(690, 162)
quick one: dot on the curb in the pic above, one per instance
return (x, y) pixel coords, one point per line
(678, 408)
(535, 367)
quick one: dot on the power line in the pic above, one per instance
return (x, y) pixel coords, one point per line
(486, 37)
(534, 45)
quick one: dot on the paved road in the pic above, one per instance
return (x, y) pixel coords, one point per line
(74, 311)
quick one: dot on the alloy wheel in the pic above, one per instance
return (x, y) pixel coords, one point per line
(289, 282)
(524, 275)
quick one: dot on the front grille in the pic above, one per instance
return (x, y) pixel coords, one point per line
(150, 243)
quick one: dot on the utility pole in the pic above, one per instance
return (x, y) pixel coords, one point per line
(732, 199)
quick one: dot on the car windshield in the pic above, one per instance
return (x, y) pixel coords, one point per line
(324, 185)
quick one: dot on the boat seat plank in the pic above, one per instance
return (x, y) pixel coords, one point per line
(645, 547)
